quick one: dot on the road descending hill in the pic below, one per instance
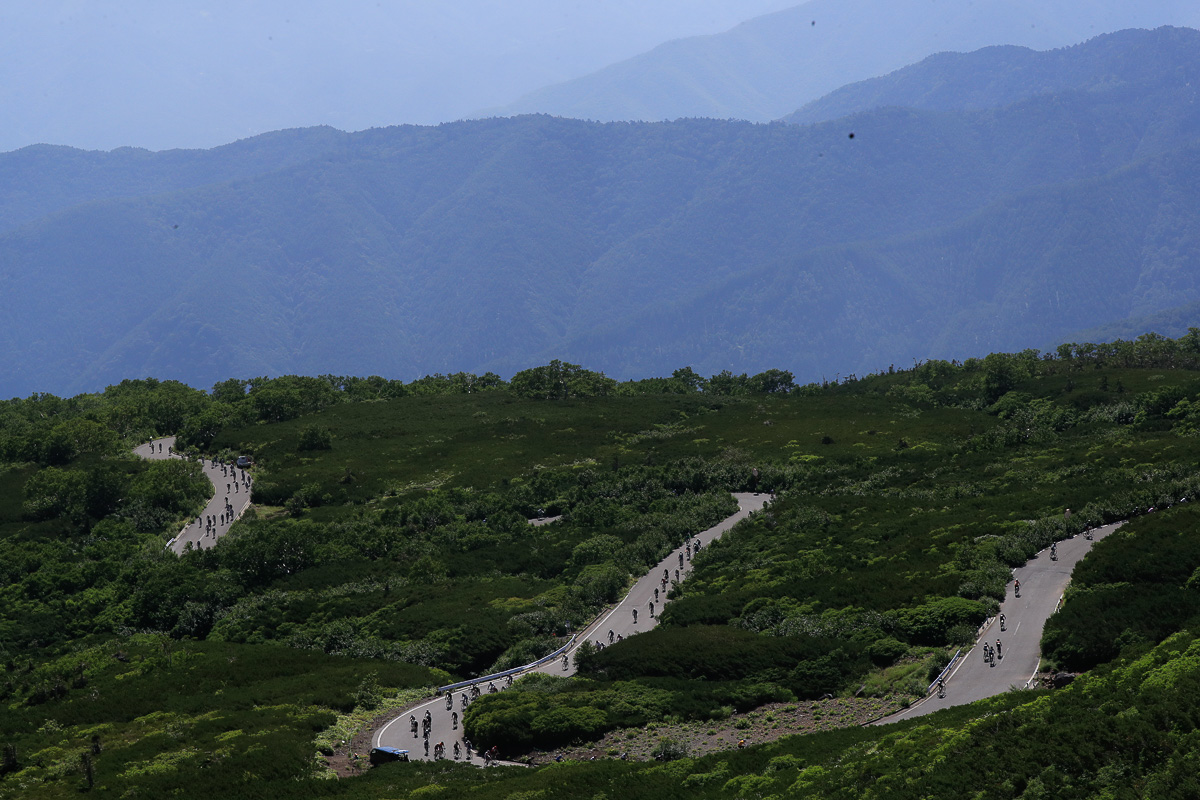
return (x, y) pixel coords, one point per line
(1042, 582)
(222, 509)
(631, 616)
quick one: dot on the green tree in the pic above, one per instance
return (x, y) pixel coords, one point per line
(559, 380)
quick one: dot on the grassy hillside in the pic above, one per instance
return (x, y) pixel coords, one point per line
(390, 551)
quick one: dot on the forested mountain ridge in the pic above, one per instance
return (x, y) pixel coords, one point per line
(771, 65)
(43, 179)
(1003, 75)
(492, 244)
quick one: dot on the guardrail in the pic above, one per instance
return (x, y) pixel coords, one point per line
(452, 686)
(942, 674)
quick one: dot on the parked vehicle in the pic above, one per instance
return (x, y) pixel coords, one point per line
(382, 755)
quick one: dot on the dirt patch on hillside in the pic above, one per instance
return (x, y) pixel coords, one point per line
(350, 758)
(764, 724)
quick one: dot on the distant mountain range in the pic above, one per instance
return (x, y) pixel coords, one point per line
(633, 248)
(196, 73)
(768, 67)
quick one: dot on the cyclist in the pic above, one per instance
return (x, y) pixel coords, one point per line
(1017, 587)
(655, 592)
(999, 650)
(457, 750)
(941, 687)
(635, 616)
(652, 608)
(1002, 622)
(454, 719)
(450, 701)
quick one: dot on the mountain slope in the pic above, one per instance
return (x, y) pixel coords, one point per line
(772, 65)
(632, 248)
(999, 76)
(43, 179)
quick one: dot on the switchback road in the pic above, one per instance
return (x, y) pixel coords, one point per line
(447, 720)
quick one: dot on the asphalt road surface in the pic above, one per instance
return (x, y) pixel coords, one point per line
(620, 621)
(446, 722)
(231, 497)
(1043, 581)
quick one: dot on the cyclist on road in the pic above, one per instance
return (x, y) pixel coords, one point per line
(999, 653)
(1017, 587)
(635, 616)
(1001, 622)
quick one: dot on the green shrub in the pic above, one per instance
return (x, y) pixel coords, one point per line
(887, 651)
(315, 437)
(931, 623)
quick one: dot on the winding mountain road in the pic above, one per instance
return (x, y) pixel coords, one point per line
(446, 720)
(1043, 581)
(223, 508)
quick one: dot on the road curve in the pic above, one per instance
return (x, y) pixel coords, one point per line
(1043, 581)
(446, 721)
(224, 507)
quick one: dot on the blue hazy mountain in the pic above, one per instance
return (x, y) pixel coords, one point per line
(199, 73)
(634, 248)
(772, 65)
(1003, 75)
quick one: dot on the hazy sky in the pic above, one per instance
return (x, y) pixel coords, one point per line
(197, 73)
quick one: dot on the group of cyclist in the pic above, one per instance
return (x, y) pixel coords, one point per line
(425, 725)
(209, 525)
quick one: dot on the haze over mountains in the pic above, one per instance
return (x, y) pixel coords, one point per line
(200, 73)
(770, 66)
(631, 248)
